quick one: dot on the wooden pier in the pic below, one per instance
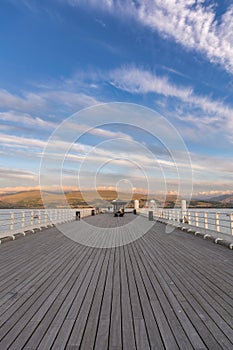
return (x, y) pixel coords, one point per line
(162, 291)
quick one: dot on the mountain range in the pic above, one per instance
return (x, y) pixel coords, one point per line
(32, 199)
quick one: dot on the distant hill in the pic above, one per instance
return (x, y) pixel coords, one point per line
(226, 198)
(32, 199)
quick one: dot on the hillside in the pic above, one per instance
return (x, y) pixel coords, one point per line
(226, 198)
(32, 199)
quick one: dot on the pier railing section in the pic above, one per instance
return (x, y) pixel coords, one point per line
(21, 221)
(218, 221)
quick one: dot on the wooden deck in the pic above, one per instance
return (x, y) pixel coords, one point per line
(163, 291)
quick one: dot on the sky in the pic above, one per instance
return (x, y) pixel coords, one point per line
(60, 58)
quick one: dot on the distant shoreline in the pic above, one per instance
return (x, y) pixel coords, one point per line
(33, 200)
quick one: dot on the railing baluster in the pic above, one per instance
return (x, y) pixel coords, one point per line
(12, 221)
(39, 218)
(217, 222)
(206, 220)
(45, 217)
(231, 223)
(23, 219)
(196, 219)
(32, 219)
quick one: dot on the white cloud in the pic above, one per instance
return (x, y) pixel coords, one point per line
(18, 174)
(98, 131)
(20, 142)
(190, 23)
(13, 179)
(139, 81)
(44, 101)
(193, 25)
(70, 99)
(28, 102)
(25, 119)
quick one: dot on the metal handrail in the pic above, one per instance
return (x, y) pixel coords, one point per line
(20, 221)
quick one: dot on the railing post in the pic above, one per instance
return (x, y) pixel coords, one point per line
(45, 217)
(23, 219)
(183, 209)
(12, 221)
(205, 220)
(231, 223)
(51, 216)
(32, 219)
(217, 222)
(189, 218)
(39, 218)
(196, 219)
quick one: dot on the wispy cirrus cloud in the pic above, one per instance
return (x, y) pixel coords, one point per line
(27, 102)
(139, 81)
(191, 23)
(12, 141)
(18, 174)
(25, 119)
(44, 101)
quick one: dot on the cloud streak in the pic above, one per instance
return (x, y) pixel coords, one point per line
(139, 81)
(190, 23)
(26, 119)
(44, 101)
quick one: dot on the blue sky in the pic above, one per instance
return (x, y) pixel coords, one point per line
(60, 56)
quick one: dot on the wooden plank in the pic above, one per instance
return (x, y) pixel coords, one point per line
(24, 314)
(78, 330)
(115, 335)
(154, 336)
(160, 261)
(17, 258)
(198, 248)
(211, 307)
(151, 294)
(141, 335)
(44, 338)
(27, 272)
(102, 334)
(78, 303)
(24, 292)
(89, 335)
(159, 314)
(180, 314)
(128, 330)
(212, 292)
(184, 300)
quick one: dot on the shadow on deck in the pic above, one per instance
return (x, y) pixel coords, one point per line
(162, 291)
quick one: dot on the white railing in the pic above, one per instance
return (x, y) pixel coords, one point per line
(20, 221)
(218, 221)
